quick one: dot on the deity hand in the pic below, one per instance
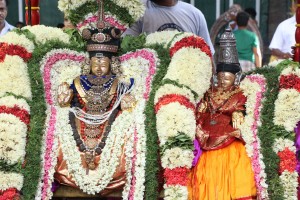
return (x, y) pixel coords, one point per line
(65, 94)
(201, 136)
(128, 102)
(237, 119)
(202, 107)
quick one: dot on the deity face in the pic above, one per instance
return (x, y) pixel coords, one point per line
(226, 80)
(100, 66)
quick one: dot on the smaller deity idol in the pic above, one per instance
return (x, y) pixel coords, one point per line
(224, 169)
(96, 99)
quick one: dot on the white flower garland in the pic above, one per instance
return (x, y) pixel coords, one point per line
(45, 33)
(287, 110)
(174, 118)
(177, 157)
(11, 101)
(14, 76)
(172, 89)
(66, 5)
(185, 64)
(135, 7)
(249, 131)
(13, 138)
(10, 180)
(281, 144)
(16, 39)
(163, 37)
(175, 192)
(289, 181)
(97, 179)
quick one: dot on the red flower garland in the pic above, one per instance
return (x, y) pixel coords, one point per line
(177, 176)
(23, 115)
(170, 98)
(9, 194)
(289, 81)
(11, 49)
(288, 160)
(192, 41)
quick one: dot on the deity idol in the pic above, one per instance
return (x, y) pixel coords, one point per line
(96, 99)
(224, 169)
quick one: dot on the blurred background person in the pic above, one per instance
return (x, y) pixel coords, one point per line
(4, 25)
(19, 25)
(284, 37)
(247, 44)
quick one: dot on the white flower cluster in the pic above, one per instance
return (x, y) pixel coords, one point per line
(174, 118)
(11, 101)
(287, 109)
(12, 138)
(172, 89)
(67, 5)
(16, 39)
(10, 180)
(163, 37)
(191, 67)
(177, 157)
(281, 144)
(45, 33)
(135, 7)
(14, 76)
(175, 192)
(289, 181)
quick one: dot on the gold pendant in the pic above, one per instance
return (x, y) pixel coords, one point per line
(91, 143)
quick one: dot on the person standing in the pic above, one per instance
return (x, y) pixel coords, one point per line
(247, 44)
(162, 15)
(284, 38)
(4, 25)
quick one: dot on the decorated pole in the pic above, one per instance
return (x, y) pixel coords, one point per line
(32, 14)
(296, 48)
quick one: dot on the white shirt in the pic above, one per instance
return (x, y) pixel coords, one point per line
(284, 36)
(7, 28)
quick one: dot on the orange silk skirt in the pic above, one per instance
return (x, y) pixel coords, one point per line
(223, 174)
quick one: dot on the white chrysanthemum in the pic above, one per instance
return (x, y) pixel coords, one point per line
(280, 144)
(173, 119)
(175, 192)
(162, 37)
(16, 39)
(191, 67)
(172, 89)
(45, 33)
(135, 7)
(275, 63)
(11, 101)
(177, 157)
(287, 71)
(67, 5)
(287, 109)
(14, 76)
(12, 138)
(289, 182)
(11, 180)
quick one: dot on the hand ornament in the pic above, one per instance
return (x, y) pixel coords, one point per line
(128, 102)
(65, 94)
(237, 119)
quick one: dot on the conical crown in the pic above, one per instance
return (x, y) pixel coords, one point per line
(228, 52)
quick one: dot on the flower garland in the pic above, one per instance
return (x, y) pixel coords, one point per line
(254, 87)
(15, 79)
(141, 65)
(57, 66)
(55, 34)
(286, 106)
(126, 13)
(11, 49)
(9, 194)
(288, 176)
(10, 180)
(175, 108)
(13, 38)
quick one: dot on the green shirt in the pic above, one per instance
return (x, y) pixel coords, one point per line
(245, 41)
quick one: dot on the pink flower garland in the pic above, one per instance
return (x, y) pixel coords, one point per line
(108, 19)
(51, 128)
(256, 149)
